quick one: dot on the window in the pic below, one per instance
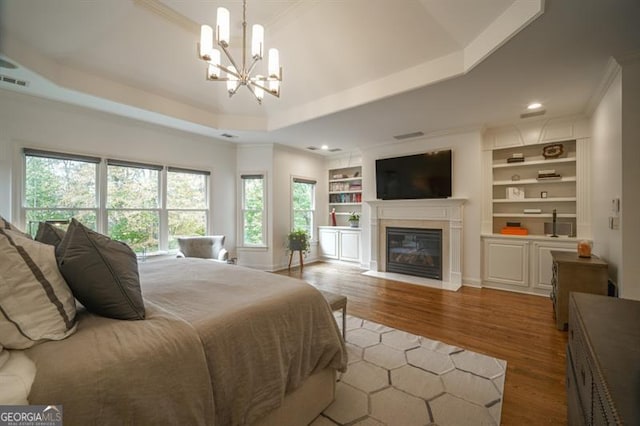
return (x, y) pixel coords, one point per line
(133, 207)
(303, 203)
(253, 211)
(145, 205)
(186, 203)
(59, 187)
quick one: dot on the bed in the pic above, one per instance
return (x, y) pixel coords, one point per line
(220, 345)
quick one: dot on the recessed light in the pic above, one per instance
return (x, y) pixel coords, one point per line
(324, 147)
(534, 105)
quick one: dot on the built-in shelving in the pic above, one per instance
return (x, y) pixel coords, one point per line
(546, 194)
(345, 193)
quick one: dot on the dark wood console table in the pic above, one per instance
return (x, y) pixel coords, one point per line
(603, 368)
(573, 273)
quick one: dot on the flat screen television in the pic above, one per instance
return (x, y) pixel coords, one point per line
(425, 175)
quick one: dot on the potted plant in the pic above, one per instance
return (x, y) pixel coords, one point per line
(354, 219)
(298, 240)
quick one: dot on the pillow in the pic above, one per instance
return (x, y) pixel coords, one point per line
(5, 224)
(49, 234)
(35, 302)
(102, 273)
(16, 377)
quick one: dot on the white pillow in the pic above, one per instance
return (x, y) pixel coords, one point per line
(35, 301)
(16, 378)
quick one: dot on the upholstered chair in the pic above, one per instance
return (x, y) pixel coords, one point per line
(209, 247)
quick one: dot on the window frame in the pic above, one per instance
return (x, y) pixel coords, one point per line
(101, 209)
(242, 210)
(300, 179)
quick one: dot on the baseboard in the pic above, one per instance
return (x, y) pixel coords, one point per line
(472, 282)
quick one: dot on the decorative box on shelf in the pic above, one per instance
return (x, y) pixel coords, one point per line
(515, 193)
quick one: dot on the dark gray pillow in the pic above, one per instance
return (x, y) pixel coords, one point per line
(49, 234)
(102, 273)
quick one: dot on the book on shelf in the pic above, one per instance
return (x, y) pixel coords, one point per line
(514, 230)
(549, 177)
(515, 160)
(533, 211)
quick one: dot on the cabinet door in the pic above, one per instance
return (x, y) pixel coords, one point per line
(541, 262)
(350, 246)
(506, 262)
(328, 243)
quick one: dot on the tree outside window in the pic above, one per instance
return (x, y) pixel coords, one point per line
(133, 210)
(303, 205)
(59, 187)
(253, 210)
(187, 200)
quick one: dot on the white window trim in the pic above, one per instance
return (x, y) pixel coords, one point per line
(314, 233)
(240, 216)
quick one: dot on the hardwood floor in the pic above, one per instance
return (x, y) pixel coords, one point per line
(515, 327)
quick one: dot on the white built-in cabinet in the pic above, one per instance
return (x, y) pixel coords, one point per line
(339, 243)
(523, 263)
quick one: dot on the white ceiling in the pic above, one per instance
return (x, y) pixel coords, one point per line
(356, 72)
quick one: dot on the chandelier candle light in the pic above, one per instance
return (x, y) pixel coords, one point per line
(237, 76)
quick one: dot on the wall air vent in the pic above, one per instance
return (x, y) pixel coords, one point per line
(408, 136)
(533, 114)
(228, 136)
(11, 80)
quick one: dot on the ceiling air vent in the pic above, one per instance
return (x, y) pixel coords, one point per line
(11, 80)
(408, 136)
(335, 149)
(312, 148)
(228, 135)
(532, 114)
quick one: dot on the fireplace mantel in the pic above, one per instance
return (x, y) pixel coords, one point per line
(442, 213)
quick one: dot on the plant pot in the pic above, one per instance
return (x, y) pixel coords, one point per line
(296, 245)
(354, 223)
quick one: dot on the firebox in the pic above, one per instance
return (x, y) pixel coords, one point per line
(415, 251)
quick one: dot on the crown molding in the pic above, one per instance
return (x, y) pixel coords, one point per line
(611, 72)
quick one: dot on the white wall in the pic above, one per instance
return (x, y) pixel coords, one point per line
(606, 157)
(45, 124)
(630, 226)
(257, 159)
(467, 181)
(616, 156)
(287, 164)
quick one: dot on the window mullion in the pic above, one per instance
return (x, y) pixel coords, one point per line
(164, 215)
(102, 218)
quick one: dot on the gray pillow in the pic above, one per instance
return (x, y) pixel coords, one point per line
(102, 273)
(49, 234)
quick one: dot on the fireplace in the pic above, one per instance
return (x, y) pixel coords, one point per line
(444, 216)
(414, 251)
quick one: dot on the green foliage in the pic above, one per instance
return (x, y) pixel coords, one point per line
(253, 211)
(303, 206)
(299, 240)
(354, 217)
(61, 189)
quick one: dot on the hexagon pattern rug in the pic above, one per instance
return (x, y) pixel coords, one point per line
(396, 378)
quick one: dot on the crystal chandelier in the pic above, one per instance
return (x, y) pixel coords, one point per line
(236, 75)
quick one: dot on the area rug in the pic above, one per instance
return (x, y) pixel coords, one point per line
(396, 378)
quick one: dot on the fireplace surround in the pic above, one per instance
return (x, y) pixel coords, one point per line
(441, 214)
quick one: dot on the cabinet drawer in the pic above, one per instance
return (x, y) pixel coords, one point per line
(582, 369)
(575, 415)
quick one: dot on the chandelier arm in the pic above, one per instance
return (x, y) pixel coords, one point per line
(252, 90)
(253, 65)
(228, 71)
(230, 58)
(254, 83)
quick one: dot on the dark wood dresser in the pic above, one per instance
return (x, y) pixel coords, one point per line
(603, 361)
(573, 273)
